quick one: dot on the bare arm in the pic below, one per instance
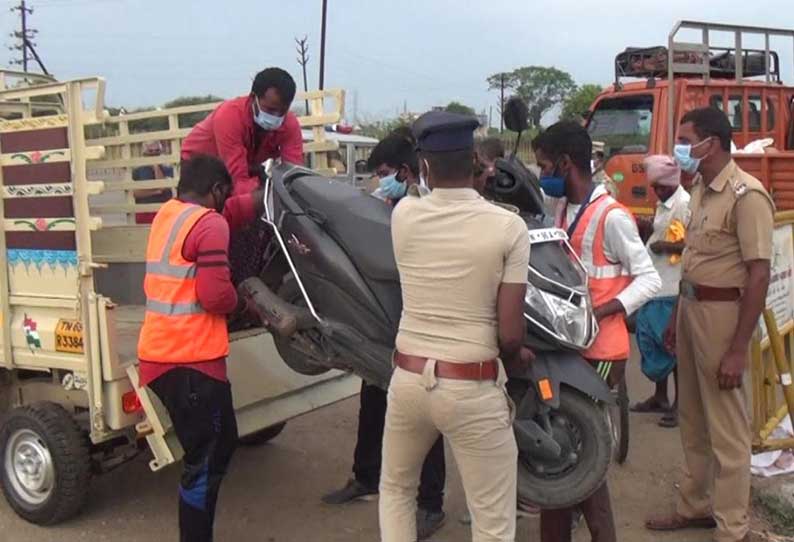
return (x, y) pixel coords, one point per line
(754, 226)
(733, 363)
(510, 298)
(510, 321)
(668, 247)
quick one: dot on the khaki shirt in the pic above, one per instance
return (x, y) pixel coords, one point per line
(453, 250)
(731, 222)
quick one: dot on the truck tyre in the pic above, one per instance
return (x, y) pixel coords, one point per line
(263, 435)
(45, 463)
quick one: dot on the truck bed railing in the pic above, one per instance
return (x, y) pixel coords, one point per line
(701, 66)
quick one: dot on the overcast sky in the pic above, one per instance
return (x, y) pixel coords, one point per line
(387, 53)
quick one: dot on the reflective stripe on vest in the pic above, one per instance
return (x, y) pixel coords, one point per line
(606, 280)
(163, 267)
(609, 271)
(176, 328)
(173, 309)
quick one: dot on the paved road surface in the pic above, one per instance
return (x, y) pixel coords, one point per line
(272, 492)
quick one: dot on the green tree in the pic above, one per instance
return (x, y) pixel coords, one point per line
(457, 107)
(188, 120)
(541, 87)
(381, 128)
(578, 102)
(184, 120)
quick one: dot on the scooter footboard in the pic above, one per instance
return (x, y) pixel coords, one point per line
(551, 369)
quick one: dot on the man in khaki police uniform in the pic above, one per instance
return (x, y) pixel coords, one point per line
(463, 269)
(726, 266)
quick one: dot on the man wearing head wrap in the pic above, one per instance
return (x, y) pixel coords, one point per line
(154, 172)
(665, 247)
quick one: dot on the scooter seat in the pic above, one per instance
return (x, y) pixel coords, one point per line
(360, 223)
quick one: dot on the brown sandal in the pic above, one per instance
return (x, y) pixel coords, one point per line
(674, 522)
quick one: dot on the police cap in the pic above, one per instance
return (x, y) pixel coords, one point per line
(441, 131)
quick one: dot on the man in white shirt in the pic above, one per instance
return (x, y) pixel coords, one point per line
(621, 279)
(665, 247)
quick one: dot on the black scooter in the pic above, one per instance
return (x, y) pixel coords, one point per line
(330, 294)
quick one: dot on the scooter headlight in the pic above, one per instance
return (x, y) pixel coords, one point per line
(569, 320)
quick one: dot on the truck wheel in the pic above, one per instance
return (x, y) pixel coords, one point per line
(264, 435)
(46, 463)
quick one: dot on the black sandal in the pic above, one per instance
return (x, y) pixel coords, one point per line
(669, 420)
(650, 405)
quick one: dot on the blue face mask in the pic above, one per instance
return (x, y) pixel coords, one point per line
(265, 120)
(391, 188)
(552, 186)
(683, 155)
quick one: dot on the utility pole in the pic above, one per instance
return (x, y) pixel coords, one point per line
(501, 103)
(322, 46)
(24, 35)
(303, 59)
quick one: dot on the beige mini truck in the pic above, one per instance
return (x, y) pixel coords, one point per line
(71, 299)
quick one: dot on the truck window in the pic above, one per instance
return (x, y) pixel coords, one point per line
(623, 124)
(753, 115)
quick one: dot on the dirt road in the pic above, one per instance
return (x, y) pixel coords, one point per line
(272, 492)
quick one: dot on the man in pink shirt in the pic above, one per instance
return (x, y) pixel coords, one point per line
(246, 131)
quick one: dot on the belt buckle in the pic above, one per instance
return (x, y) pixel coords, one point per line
(479, 376)
(687, 289)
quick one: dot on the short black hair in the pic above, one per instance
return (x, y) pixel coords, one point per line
(710, 122)
(450, 165)
(200, 173)
(566, 137)
(274, 78)
(491, 148)
(395, 150)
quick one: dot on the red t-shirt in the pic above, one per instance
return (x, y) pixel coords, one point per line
(207, 244)
(229, 133)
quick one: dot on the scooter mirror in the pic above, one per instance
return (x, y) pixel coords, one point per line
(516, 114)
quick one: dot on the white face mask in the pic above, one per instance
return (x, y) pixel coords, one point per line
(265, 120)
(424, 179)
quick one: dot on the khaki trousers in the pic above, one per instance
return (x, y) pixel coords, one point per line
(476, 419)
(715, 425)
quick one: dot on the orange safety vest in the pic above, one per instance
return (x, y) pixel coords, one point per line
(176, 328)
(604, 279)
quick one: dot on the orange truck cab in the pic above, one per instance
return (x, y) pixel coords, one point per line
(638, 118)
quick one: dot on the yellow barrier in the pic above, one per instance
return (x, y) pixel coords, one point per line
(771, 369)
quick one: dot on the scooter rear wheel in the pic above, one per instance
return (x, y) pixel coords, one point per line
(580, 426)
(298, 361)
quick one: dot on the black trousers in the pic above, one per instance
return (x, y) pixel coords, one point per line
(202, 413)
(367, 455)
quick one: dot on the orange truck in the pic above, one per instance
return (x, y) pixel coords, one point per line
(640, 117)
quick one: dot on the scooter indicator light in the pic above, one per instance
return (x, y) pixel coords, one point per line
(545, 389)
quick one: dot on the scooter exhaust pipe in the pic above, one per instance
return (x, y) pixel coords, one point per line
(278, 315)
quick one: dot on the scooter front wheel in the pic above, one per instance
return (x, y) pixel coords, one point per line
(580, 427)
